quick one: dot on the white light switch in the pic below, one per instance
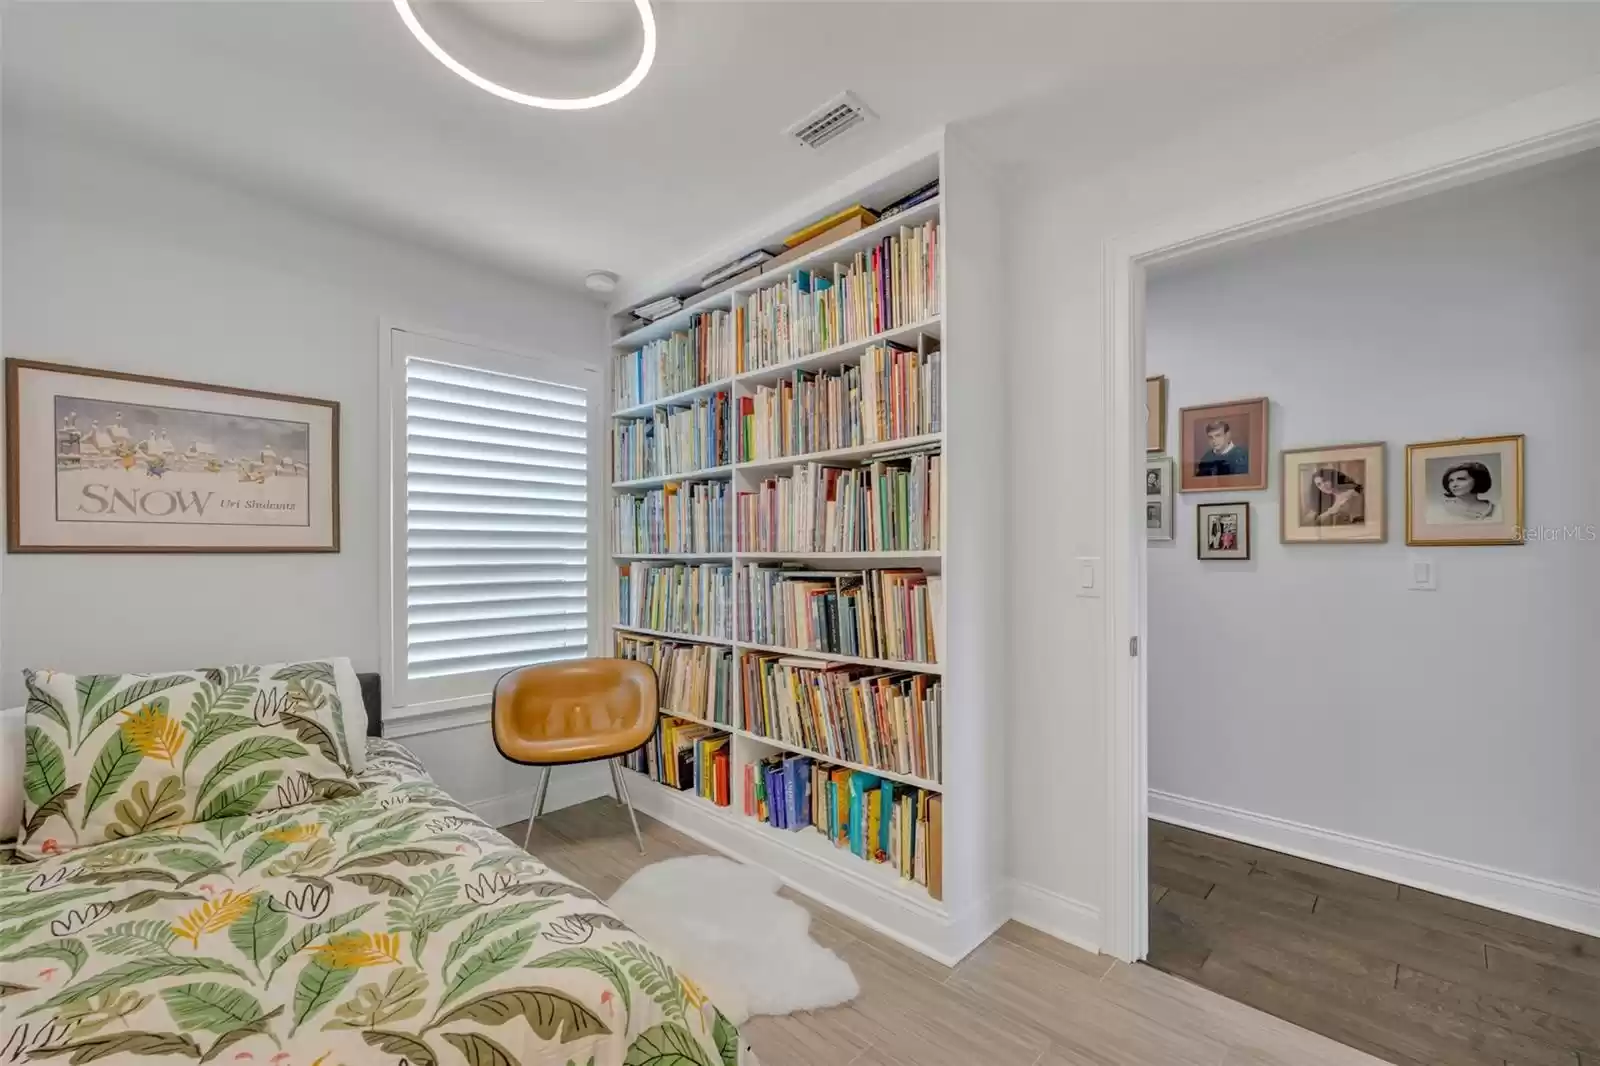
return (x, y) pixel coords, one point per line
(1424, 575)
(1089, 576)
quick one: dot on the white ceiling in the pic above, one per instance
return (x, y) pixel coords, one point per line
(335, 106)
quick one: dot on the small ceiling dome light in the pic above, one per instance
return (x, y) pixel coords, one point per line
(600, 281)
(647, 56)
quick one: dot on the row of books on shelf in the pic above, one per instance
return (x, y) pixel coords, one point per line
(874, 614)
(883, 719)
(692, 679)
(676, 598)
(892, 393)
(688, 757)
(893, 504)
(877, 820)
(689, 358)
(673, 440)
(673, 518)
(888, 286)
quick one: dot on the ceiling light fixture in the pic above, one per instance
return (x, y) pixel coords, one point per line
(647, 56)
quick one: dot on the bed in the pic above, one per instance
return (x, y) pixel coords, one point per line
(390, 927)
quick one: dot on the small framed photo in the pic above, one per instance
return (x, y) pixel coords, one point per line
(1158, 498)
(1222, 530)
(1223, 446)
(1466, 491)
(1333, 495)
(1155, 414)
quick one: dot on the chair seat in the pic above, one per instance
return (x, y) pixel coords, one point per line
(574, 711)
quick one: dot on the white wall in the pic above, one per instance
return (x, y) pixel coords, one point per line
(1458, 63)
(116, 261)
(1309, 684)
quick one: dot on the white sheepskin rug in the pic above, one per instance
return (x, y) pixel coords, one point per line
(726, 928)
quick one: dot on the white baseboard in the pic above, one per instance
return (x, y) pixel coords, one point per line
(1066, 919)
(1567, 906)
(570, 786)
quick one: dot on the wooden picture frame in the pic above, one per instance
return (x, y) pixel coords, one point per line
(1465, 492)
(1155, 413)
(1158, 473)
(174, 467)
(1216, 548)
(1223, 446)
(1334, 494)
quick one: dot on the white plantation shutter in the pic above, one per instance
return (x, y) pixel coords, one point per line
(497, 518)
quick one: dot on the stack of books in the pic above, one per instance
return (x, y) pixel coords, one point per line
(673, 440)
(889, 721)
(691, 601)
(893, 393)
(893, 504)
(891, 285)
(699, 355)
(872, 614)
(672, 519)
(875, 819)
(659, 308)
(694, 680)
(686, 756)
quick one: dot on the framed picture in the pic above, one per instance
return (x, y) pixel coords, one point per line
(1466, 491)
(1222, 530)
(1158, 498)
(1223, 446)
(99, 461)
(1155, 414)
(1333, 495)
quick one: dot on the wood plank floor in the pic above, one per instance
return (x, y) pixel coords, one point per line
(1020, 999)
(1413, 978)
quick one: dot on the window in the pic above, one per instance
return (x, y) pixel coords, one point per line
(493, 504)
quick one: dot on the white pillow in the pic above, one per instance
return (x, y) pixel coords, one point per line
(355, 712)
(13, 758)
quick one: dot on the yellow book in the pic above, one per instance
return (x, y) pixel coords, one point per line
(800, 236)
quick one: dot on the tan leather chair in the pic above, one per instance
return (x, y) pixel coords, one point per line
(575, 711)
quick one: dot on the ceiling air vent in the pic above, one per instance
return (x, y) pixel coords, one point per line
(844, 112)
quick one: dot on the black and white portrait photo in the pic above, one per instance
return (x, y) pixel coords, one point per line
(1333, 494)
(1222, 530)
(1158, 498)
(1464, 491)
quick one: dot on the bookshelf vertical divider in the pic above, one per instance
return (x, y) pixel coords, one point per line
(970, 726)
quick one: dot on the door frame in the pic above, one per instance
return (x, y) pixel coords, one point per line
(1531, 131)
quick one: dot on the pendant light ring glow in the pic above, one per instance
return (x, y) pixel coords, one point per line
(647, 56)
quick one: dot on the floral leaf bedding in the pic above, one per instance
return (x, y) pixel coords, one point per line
(390, 927)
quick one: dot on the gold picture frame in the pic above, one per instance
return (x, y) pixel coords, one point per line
(1155, 413)
(1465, 492)
(1223, 446)
(1334, 494)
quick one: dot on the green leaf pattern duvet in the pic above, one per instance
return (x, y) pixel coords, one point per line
(390, 927)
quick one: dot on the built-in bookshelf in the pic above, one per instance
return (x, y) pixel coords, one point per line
(780, 540)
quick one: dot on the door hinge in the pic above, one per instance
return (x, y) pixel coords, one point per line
(1133, 647)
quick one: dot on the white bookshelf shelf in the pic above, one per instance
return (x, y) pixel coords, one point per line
(641, 631)
(966, 321)
(857, 451)
(715, 473)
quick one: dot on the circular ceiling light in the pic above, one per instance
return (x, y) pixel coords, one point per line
(647, 56)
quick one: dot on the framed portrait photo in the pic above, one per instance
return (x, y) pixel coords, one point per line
(1466, 491)
(1222, 530)
(1155, 414)
(1158, 498)
(1223, 446)
(1333, 495)
(101, 461)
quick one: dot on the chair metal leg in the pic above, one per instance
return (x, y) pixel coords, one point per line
(622, 791)
(616, 778)
(538, 804)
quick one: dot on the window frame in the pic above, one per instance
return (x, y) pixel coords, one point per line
(441, 704)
